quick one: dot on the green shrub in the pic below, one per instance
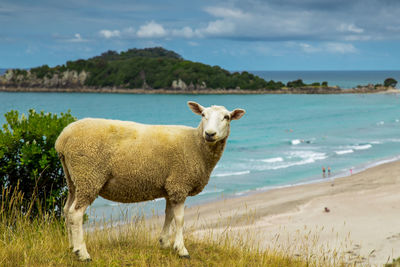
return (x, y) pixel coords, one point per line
(29, 161)
(390, 82)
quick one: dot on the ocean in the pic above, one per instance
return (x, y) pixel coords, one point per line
(281, 141)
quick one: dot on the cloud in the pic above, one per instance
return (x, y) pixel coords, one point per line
(350, 28)
(76, 39)
(277, 20)
(218, 28)
(328, 47)
(309, 48)
(226, 12)
(110, 34)
(147, 31)
(341, 48)
(307, 20)
(151, 30)
(185, 32)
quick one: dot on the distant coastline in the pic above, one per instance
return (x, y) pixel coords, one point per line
(160, 71)
(303, 90)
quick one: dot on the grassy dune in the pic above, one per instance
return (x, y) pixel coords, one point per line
(42, 241)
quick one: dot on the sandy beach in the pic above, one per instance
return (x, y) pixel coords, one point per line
(356, 217)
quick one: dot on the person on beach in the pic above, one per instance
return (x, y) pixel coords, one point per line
(323, 171)
(351, 171)
(329, 171)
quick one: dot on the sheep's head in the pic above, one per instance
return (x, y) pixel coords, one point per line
(215, 120)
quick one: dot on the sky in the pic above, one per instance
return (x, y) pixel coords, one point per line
(236, 35)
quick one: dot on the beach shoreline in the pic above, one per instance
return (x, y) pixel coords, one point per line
(355, 215)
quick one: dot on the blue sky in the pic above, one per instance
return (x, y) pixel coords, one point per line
(236, 35)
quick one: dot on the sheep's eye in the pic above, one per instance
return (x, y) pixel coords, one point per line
(226, 117)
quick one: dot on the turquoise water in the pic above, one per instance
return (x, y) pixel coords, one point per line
(282, 139)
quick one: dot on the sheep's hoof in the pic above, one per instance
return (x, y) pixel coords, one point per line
(164, 243)
(81, 257)
(185, 256)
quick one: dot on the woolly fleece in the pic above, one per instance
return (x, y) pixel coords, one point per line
(132, 162)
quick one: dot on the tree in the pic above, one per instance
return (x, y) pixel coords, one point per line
(29, 161)
(390, 82)
(296, 84)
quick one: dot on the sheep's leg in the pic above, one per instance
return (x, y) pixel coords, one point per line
(76, 224)
(178, 210)
(68, 203)
(165, 233)
(70, 199)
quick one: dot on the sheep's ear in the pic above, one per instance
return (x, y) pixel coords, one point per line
(195, 107)
(237, 113)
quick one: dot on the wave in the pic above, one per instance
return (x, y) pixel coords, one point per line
(380, 123)
(272, 160)
(376, 142)
(306, 154)
(241, 193)
(231, 173)
(299, 141)
(350, 149)
(204, 192)
(302, 157)
(295, 141)
(342, 152)
(291, 164)
(361, 147)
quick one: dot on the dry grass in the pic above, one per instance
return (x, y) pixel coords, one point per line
(42, 241)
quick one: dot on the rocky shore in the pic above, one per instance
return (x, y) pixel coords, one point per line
(73, 81)
(303, 90)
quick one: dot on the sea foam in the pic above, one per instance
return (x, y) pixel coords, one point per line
(342, 152)
(294, 158)
(231, 173)
(362, 147)
(272, 160)
(295, 142)
(204, 192)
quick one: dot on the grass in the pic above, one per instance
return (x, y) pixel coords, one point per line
(42, 241)
(395, 263)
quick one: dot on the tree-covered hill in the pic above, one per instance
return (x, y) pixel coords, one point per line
(134, 52)
(138, 68)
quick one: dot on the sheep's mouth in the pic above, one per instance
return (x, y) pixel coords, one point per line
(210, 139)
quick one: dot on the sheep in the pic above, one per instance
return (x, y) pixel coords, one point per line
(131, 162)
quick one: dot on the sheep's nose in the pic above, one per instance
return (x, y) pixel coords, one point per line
(210, 134)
